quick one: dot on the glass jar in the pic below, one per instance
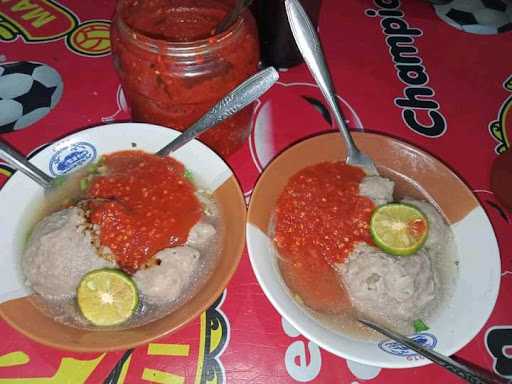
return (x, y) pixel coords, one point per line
(173, 70)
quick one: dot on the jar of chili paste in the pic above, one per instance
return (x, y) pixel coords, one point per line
(174, 68)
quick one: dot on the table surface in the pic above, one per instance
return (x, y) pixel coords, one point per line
(462, 120)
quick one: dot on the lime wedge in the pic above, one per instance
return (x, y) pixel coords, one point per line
(399, 229)
(107, 297)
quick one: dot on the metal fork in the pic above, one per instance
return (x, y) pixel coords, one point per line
(309, 46)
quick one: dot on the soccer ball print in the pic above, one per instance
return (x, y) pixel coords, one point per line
(484, 17)
(28, 91)
(91, 38)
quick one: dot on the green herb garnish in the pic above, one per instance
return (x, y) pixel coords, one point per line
(188, 175)
(420, 326)
(93, 168)
(59, 180)
(84, 184)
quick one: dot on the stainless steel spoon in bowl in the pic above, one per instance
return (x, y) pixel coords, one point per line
(471, 375)
(21, 163)
(309, 46)
(234, 101)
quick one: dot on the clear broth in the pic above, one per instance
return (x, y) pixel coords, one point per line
(444, 266)
(66, 310)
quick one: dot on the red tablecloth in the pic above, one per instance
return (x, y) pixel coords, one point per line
(462, 119)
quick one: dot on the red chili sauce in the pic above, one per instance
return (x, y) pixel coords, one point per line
(151, 206)
(167, 86)
(178, 20)
(319, 219)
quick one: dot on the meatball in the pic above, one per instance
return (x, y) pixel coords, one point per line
(165, 281)
(390, 289)
(200, 235)
(59, 253)
(378, 189)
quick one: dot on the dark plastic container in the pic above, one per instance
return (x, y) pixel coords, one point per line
(278, 47)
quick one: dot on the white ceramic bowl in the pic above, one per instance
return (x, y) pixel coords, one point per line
(20, 195)
(478, 280)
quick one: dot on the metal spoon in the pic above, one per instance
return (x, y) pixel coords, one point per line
(231, 16)
(309, 46)
(240, 97)
(469, 374)
(21, 163)
(234, 101)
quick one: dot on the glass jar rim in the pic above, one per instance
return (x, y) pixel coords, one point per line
(180, 48)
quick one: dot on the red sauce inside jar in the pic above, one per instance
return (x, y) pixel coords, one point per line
(150, 206)
(182, 20)
(319, 218)
(173, 70)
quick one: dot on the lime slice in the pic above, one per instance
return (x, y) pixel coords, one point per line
(399, 229)
(107, 297)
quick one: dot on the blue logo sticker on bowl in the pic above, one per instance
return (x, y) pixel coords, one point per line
(426, 340)
(72, 157)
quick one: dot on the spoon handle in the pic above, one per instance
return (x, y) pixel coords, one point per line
(309, 46)
(21, 163)
(459, 369)
(237, 99)
(232, 16)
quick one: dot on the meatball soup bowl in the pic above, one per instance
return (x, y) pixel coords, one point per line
(448, 296)
(20, 201)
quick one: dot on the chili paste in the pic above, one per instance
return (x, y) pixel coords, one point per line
(143, 204)
(319, 218)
